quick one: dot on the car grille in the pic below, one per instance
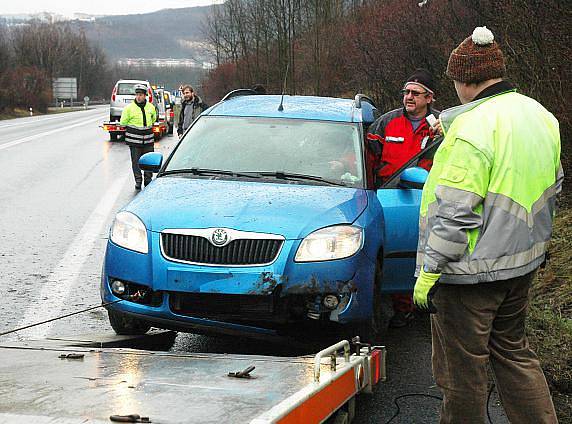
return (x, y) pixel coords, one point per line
(197, 249)
(213, 305)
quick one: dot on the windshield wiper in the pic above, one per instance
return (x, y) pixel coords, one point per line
(294, 176)
(253, 174)
(208, 171)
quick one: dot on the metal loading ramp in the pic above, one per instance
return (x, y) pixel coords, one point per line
(53, 382)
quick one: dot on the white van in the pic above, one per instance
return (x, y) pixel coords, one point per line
(123, 93)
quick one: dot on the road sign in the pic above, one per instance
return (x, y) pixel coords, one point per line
(65, 88)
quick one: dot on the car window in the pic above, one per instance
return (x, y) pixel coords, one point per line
(330, 150)
(126, 89)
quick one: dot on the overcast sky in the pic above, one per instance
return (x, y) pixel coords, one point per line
(96, 7)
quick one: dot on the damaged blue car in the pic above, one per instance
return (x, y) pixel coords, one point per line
(267, 215)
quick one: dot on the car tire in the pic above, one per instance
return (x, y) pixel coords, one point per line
(170, 132)
(126, 325)
(371, 330)
(113, 136)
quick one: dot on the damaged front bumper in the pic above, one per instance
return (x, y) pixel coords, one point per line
(270, 296)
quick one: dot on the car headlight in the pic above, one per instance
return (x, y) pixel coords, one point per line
(326, 244)
(128, 231)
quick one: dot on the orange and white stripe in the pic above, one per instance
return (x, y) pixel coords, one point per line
(319, 400)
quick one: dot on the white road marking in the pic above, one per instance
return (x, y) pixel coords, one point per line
(53, 296)
(47, 118)
(46, 133)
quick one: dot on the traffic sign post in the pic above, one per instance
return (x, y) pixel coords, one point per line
(65, 88)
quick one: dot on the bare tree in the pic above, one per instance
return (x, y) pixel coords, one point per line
(338, 47)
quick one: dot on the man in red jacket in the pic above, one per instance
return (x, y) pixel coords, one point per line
(402, 133)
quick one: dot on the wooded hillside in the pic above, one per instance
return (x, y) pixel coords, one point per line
(340, 47)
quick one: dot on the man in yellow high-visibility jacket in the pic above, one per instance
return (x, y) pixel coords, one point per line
(138, 118)
(485, 222)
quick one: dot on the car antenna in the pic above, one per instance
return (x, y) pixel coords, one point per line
(281, 107)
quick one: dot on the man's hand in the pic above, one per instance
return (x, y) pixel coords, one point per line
(437, 129)
(424, 288)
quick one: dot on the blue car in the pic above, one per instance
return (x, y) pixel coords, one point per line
(267, 215)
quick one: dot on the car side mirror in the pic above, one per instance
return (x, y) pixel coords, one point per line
(151, 161)
(413, 178)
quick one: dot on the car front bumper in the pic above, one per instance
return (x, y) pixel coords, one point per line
(179, 295)
(116, 110)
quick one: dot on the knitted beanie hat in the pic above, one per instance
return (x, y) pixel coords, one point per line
(423, 78)
(478, 58)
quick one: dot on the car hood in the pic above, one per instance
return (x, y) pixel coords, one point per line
(290, 210)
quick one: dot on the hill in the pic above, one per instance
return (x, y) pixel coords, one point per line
(167, 33)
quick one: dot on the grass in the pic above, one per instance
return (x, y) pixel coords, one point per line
(15, 113)
(20, 113)
(550, 318)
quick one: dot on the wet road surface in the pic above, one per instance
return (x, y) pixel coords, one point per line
(62, 182)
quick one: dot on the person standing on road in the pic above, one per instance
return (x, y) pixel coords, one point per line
(138, 118)
(191, 107)
(402, 133)
(485, 222)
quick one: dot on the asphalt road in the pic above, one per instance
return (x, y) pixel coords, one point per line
(62, 182)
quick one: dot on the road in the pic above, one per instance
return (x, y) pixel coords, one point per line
(62, 182)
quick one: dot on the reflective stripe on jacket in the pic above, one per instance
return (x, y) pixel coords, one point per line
(135, 136)
(138, 127)
(488, 203)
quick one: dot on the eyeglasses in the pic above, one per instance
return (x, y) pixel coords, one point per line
(406, 92)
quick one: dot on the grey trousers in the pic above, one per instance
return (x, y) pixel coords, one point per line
(136, 153)
(481, 323)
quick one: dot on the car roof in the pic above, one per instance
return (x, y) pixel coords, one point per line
(133, 81)
(294, 107)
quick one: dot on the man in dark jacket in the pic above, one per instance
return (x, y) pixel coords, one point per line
(191, 107)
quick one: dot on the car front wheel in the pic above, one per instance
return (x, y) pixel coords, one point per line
(376, 326)
(126, 325)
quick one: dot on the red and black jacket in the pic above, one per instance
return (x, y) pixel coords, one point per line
(398, 141)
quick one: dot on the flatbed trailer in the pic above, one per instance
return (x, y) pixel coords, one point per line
(85, 380)
(116, 130)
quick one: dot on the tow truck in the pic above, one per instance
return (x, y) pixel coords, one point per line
(97, 379)
(116, 130)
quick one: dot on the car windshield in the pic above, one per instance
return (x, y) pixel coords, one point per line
(292, 149)
(126, 89)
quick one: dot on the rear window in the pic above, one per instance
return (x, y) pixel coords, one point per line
(126, 89)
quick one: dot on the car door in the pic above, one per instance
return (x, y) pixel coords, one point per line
(400, 218)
